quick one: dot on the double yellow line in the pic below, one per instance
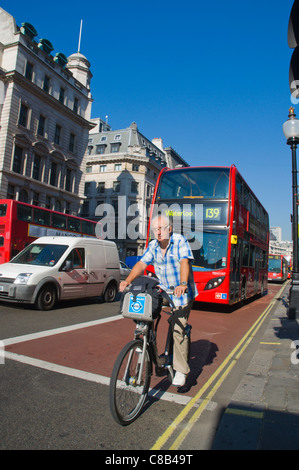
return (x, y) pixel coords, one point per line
(228, 363)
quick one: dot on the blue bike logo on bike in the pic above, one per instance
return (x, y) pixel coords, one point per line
(137, 305)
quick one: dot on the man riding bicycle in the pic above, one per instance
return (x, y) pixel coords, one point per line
(171, 256)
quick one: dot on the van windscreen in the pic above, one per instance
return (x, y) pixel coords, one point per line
(40, 254)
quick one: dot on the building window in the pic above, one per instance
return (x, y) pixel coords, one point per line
(135, 167)
(46, 85)
(57, 135)
(10, 191)
(76, 105)
(116, 186)
(54, 173)
(72, 142)
(35, 201)
(29, 71)
(85, 208)
(68, 180)
(88, 168)
(87, 189)
(117, 137)
(17, 166)
(23, 196)
(134, 187)
(115, 148)
(61, 95)
(117, 167)
(23, 117)
(100, 149)
(101, 187)
(48, 202)
(37, 165)
(103, 138)
(41, 125)
(103, 168)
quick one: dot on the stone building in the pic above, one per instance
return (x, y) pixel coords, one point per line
(122, 168)
(45, 112)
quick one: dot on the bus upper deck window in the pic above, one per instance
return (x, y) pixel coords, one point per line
(3, 209)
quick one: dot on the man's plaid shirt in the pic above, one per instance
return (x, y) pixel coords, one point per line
(167, 268)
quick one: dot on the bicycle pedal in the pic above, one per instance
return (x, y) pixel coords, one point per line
(162, 360)
(160, 371)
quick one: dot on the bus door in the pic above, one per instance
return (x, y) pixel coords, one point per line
(235, 270)
(257, 264)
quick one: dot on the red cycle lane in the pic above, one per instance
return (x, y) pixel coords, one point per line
(95, 348)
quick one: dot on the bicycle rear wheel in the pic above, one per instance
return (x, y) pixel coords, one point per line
(126, 396)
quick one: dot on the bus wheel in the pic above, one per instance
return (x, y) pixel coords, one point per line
(46, 298)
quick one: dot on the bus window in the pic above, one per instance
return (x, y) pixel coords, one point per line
(73, 224)
(1, 241)
(245, 254)
(24, 213)
(3, 209)
(88, 227)
(59, 221)
(41, 217)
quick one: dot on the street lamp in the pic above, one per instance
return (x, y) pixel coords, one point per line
(291, 131)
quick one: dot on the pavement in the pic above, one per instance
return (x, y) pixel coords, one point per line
(263, 413)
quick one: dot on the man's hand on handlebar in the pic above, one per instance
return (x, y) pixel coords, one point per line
(180, 290)
(123, 285)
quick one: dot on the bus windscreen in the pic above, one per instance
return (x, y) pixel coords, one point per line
(209, 183)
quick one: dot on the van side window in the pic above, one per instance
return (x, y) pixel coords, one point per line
(77, 258)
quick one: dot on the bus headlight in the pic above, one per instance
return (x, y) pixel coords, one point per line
(22, 278)
(215, 282)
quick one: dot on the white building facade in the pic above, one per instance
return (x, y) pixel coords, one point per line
(45, 119)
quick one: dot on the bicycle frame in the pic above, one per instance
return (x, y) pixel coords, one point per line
(149, 335)
(132, 371)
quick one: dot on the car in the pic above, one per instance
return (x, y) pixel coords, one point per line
(124, 270)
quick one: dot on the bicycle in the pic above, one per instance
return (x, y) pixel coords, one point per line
(132, 371)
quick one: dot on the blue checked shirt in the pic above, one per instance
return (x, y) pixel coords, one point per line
(167, 268)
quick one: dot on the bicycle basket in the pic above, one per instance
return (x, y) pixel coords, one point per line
(143, 301)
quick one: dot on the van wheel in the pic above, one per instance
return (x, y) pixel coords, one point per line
(110, 292)
(46, 298)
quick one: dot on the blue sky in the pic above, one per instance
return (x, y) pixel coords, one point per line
(209, 78)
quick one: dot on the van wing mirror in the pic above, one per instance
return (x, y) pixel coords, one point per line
(68, 266)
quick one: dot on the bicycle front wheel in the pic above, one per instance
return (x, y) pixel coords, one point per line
(127, 396)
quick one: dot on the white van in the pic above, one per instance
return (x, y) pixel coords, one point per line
(53, 268)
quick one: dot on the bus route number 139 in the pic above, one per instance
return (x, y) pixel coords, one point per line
(212, 213)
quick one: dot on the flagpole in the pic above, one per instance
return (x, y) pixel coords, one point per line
(79, 43)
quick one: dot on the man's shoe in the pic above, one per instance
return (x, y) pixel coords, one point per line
(179, 379)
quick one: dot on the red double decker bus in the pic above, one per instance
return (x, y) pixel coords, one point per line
(226, 225)
(22, 223)
(278, 269)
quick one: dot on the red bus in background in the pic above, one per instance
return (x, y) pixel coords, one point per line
(278, 268)
(21, 224)
(231, 247)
